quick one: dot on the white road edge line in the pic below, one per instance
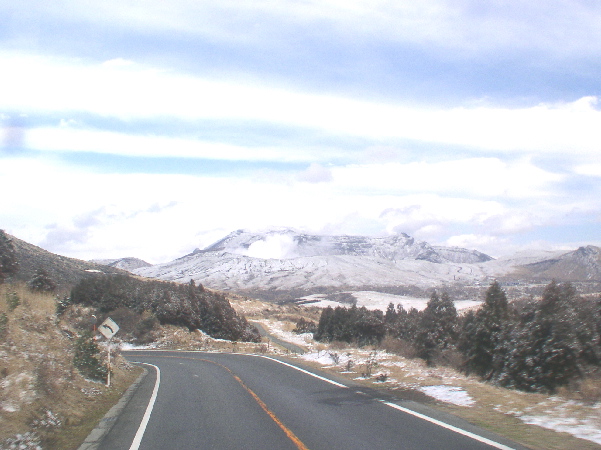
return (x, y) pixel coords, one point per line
(401, 408)
(448, 427)
(335, 383)
(142, 428)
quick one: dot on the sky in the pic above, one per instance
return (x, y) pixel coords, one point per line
(151, 128)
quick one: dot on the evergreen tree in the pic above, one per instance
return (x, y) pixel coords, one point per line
(408, 331)
(41, 282)
(369, 327)
(324, 326)
(391, 315)
(483, 332)
(185, 305)
(86, 358)
(543, 352)
(358, 325)
(437, 327)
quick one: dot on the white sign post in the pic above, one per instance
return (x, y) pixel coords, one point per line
(108, 328)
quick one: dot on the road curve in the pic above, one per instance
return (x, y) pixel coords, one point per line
(235, 401)
(287, 345)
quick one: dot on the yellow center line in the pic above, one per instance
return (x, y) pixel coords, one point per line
(287, 431)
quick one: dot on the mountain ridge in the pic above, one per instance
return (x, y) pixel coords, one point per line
(293, 244)
(128, 263)
(288, 260)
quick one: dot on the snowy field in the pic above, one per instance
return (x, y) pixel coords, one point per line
(379, 300)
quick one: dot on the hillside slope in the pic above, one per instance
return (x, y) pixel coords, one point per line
(45, 402)
(64, 271)
(582, 264)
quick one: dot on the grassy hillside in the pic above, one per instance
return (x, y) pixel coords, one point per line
(64, 271)
(44, 399)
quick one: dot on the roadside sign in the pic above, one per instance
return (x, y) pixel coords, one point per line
(108, 328)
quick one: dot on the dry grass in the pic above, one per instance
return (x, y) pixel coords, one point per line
(43, 398)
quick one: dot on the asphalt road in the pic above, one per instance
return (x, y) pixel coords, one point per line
(235, 401)
(287, 345)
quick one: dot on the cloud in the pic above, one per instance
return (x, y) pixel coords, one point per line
(315, 173)
(427, 215)
(473, 177)
(591, 169)
(148, 146)
(59, 238)
(137, 91)
(467, 26)
(275, 246)
(97, 215)
(494, 246)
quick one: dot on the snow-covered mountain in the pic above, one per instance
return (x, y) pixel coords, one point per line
(289, 244)
(129, 264)
(288, 260)
(583, 264)
(285, 259)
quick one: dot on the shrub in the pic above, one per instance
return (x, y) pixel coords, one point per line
(86, 359)
(3, 326)
(401, 347)
(62, 304)
(41, 282)
(305, 326)
(12, 300)
(145, 330)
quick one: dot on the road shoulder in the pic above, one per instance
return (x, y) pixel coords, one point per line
(96, 436)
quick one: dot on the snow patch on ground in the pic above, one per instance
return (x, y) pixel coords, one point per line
(584, 429)
(276, 329)
(322, 358)
(450, 394)
(379, 300)
(130, 346)
(579, 419)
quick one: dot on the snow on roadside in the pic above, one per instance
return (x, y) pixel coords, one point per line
(129, 346)
(276, 329)
(322, 358)
(584, 429)
(449, 394)
(579, 419)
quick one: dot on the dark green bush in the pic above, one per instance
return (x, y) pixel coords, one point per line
(86, 358)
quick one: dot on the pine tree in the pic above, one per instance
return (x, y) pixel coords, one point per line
(543, 352)
(86, 359)
(391, 314)
(41, 282)
(437, 327)
(324, 327)
(483, 332)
